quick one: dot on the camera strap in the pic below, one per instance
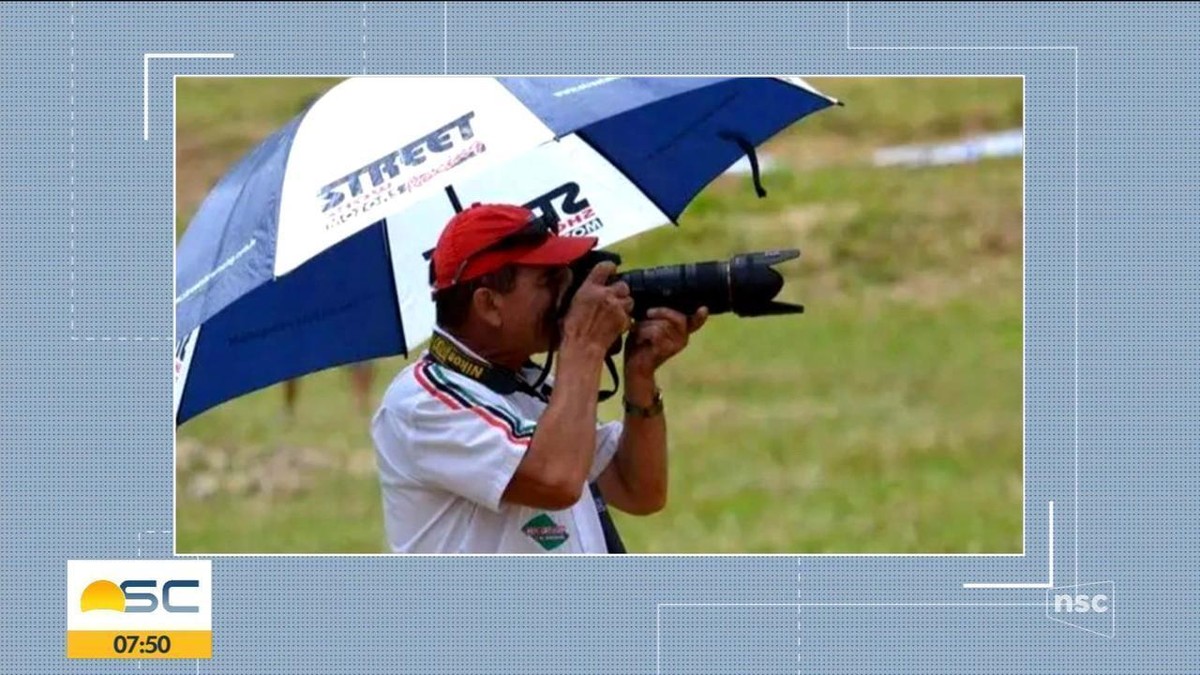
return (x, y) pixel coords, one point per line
(499, 379)
(504, 381)
(604, 394)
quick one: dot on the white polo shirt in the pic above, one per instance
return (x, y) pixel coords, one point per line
(447, 447)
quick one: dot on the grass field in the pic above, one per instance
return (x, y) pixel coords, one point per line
(886, 418)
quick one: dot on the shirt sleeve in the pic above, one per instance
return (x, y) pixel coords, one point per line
(466, 447)
(608, 437)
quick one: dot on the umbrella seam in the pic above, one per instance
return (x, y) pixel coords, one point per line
(595, 148)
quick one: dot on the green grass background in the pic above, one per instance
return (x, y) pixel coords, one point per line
(885, 419)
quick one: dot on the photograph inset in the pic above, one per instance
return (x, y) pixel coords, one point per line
(315, 415)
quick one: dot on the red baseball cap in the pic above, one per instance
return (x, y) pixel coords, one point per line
(471, 244)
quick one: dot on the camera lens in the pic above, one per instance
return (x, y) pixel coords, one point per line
(753, 283)
(745, 284)
(685, 288)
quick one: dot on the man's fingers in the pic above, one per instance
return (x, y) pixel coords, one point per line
(624, 306)
(666, 313)
(649, 332)
(662, 331)
(677, 320)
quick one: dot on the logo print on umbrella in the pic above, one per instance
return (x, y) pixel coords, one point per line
(577, 219)
(384, 172)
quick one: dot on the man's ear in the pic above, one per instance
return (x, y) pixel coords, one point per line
(486, 303)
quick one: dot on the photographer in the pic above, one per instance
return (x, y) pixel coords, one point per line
(473, 457)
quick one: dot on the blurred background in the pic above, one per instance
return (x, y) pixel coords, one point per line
(885, 419)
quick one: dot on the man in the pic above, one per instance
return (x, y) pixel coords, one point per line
(472, 457)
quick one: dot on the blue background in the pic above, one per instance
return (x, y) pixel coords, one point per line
(86, 318)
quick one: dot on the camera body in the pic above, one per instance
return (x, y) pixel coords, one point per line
(744, 284)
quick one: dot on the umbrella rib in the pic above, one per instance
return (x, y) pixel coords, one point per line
(213, 274)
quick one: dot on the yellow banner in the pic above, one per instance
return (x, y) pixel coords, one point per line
(129, 644)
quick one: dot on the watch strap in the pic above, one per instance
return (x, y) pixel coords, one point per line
(655, 407)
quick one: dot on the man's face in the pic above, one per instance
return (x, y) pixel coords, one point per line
(531, 308)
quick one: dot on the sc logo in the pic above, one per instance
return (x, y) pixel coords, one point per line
(1080, 602)
(104, 594)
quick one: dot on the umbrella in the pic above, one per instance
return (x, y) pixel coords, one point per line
(310, 252)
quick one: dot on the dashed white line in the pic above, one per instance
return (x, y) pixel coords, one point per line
(71, 163)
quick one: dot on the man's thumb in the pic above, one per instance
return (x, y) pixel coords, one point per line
(601, 273)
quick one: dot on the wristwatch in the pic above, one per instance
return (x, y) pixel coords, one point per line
(655, 407)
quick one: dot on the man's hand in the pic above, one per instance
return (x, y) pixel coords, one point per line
(599, 312)
(661, 335)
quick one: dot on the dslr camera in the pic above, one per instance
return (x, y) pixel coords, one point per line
(745, 284)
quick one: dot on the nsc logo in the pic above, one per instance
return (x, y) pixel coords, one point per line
(139, 609)
(1090, 607)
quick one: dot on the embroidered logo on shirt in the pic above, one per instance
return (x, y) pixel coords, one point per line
(547, 533)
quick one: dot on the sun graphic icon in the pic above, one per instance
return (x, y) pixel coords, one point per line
(102, 594)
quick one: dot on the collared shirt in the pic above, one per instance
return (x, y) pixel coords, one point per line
(447, 447)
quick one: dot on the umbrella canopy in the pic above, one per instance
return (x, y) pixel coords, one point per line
(309, 253)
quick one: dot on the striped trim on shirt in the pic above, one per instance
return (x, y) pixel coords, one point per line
(432, 377)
